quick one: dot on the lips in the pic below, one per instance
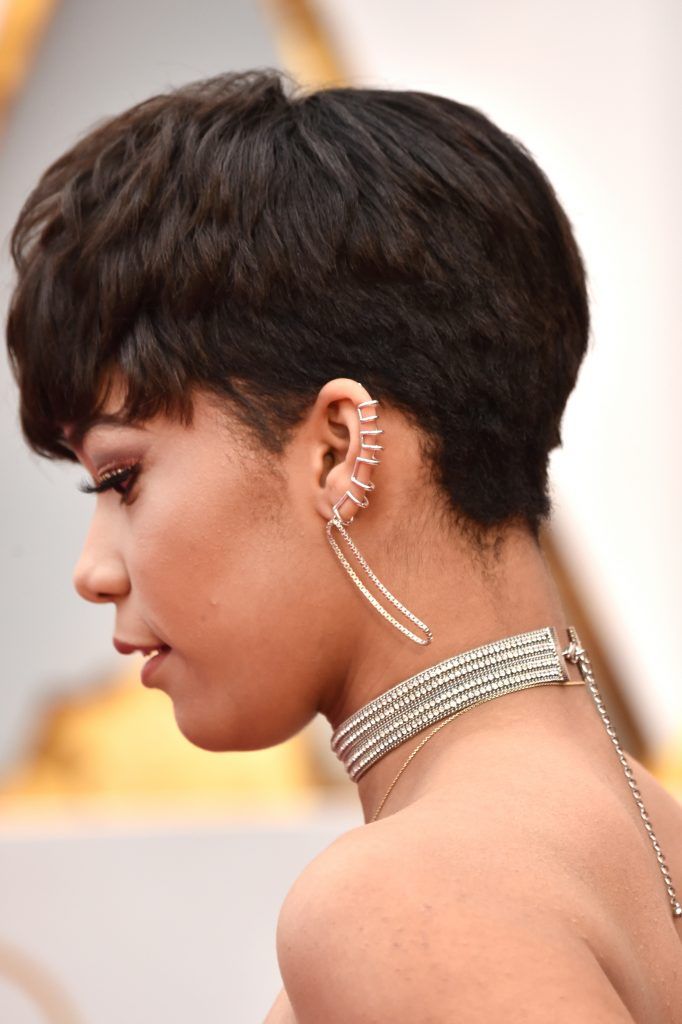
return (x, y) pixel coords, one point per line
(152, 664)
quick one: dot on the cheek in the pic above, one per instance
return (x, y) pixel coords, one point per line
(244, 675)
(211, 568)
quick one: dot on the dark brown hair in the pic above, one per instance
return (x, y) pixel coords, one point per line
(256, 241)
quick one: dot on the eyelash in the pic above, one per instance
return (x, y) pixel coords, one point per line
(114, 479)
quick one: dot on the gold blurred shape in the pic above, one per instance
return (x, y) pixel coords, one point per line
(119, 742)
(304, 42)
(21, 29)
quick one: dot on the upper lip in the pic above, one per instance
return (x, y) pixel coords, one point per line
(123, 648)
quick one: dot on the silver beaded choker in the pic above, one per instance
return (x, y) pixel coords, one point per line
(472, 677)
(514, 663)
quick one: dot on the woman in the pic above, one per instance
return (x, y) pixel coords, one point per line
(314, 351)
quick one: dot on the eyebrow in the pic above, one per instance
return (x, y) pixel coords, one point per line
(74, 439)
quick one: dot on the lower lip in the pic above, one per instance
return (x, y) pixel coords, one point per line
(151, 665)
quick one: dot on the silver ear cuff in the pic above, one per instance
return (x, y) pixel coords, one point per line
(363, 502)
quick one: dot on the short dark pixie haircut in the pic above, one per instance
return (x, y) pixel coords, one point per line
(256, 241)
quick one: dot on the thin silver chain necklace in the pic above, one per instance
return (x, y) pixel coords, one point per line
(472, 677)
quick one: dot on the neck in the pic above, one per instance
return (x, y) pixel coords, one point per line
(464, 609)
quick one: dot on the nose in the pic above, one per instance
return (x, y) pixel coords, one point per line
(100, 574)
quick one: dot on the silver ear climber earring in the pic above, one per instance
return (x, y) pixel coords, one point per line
(363, 502)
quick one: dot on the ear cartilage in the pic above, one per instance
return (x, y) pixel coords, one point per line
(362, 405)
(361, 483)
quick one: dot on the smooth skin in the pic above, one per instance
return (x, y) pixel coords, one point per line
(492, 886)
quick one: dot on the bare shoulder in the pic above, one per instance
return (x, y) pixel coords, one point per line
(388, 924)
(320, 879)
(485, 907)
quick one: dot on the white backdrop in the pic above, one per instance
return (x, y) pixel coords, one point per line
(151, 923)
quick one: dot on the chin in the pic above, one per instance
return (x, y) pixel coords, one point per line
(219, 739)
(202, 735)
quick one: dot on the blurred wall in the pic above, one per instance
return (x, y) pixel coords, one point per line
(593, 90)
(160, 923)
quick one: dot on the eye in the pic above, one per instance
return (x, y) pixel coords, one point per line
(116, 479)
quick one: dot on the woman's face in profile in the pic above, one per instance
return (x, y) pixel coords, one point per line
(211, 547)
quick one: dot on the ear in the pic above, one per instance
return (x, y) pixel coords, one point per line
(344, 421)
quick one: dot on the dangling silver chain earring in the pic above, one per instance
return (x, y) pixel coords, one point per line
(340, 524)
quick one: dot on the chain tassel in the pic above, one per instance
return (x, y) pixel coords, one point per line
(576, 653)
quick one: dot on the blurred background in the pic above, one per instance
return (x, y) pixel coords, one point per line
(140, 877)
